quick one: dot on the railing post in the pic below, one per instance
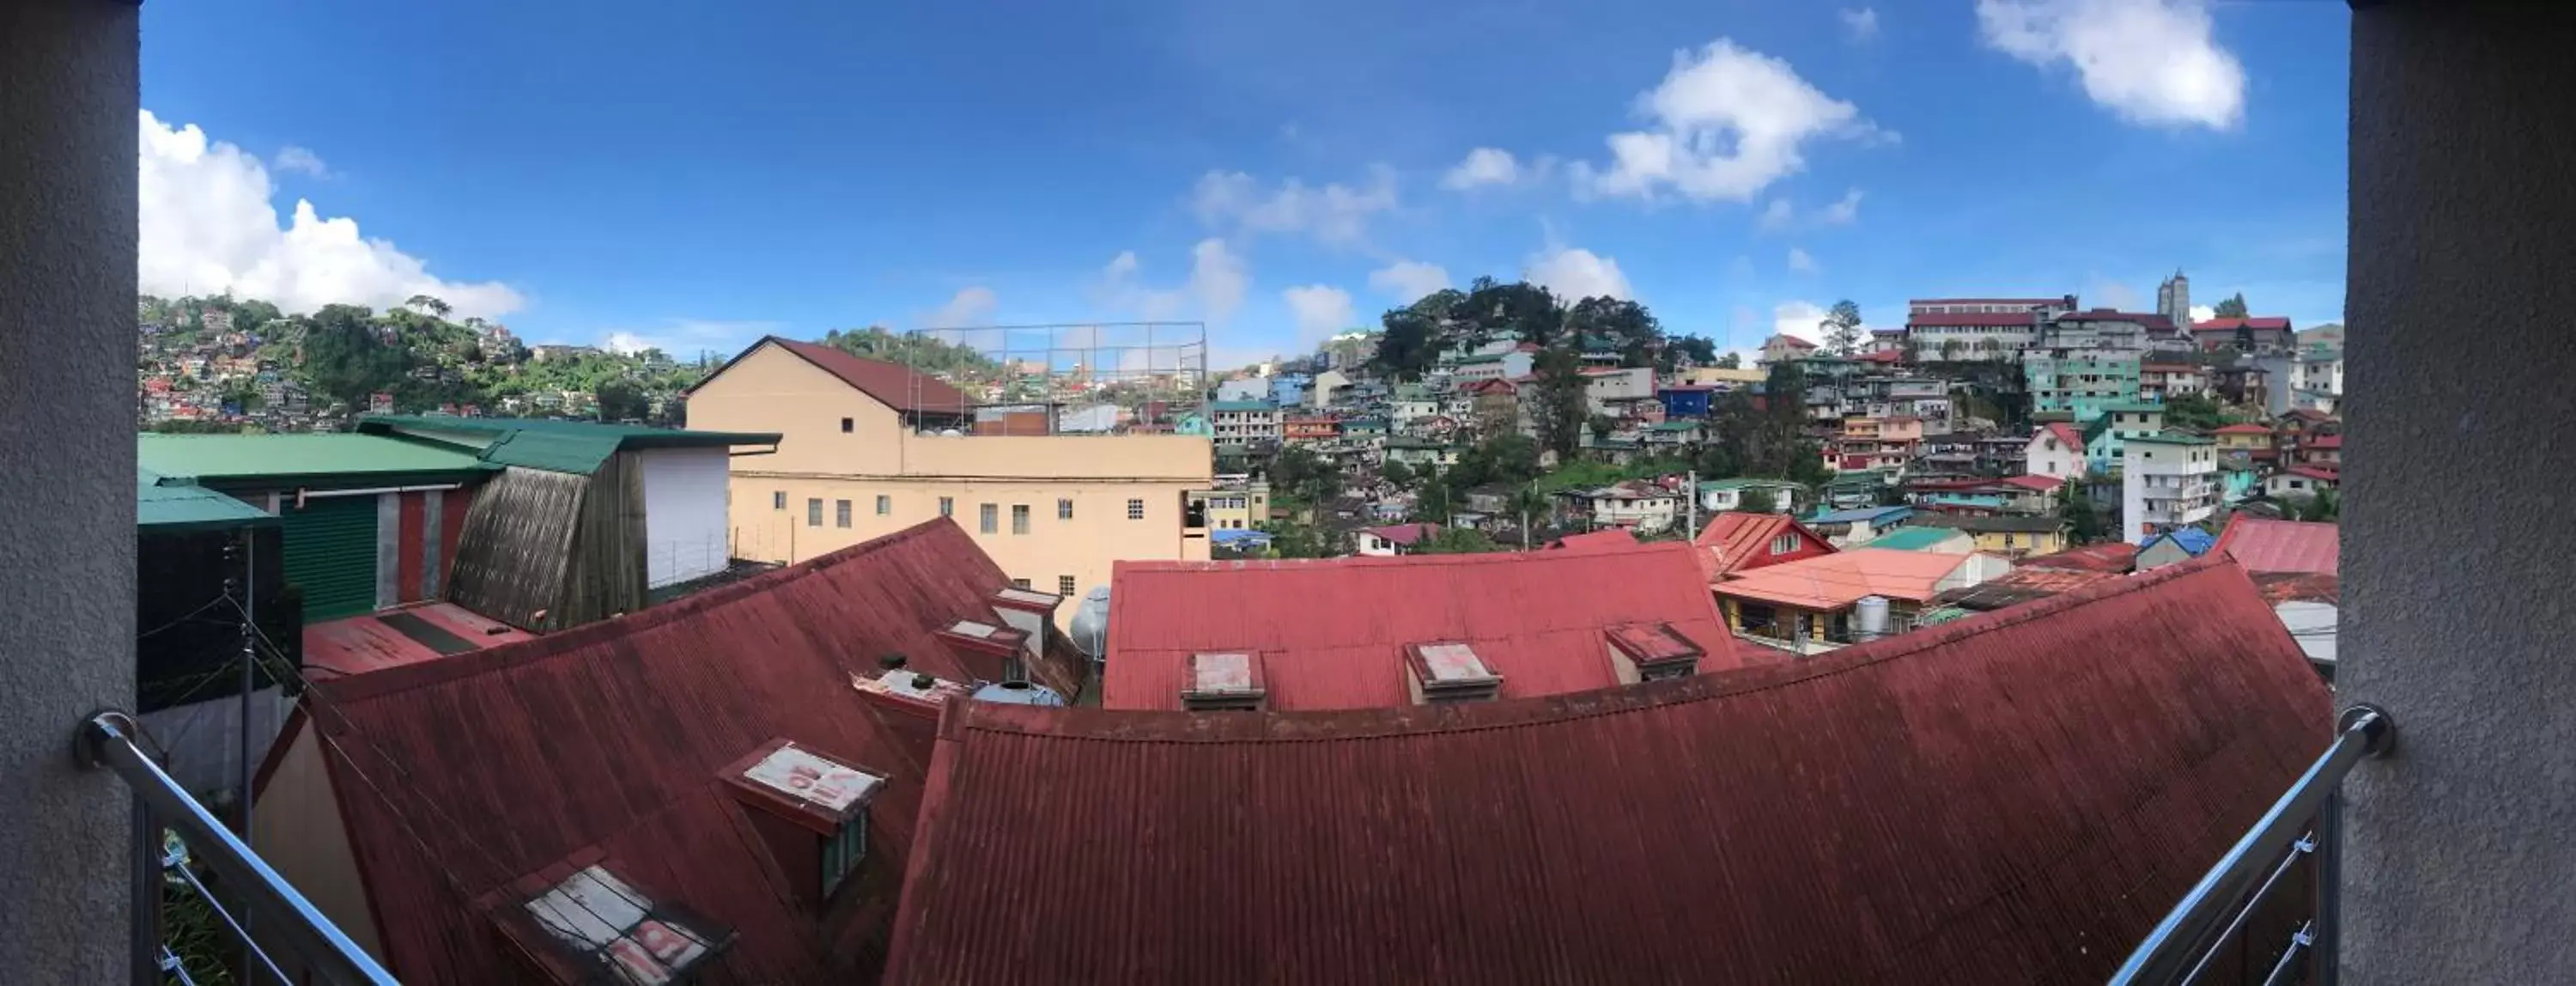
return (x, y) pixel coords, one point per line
(144, 952)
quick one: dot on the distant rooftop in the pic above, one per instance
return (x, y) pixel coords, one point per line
(545, 443)
(284, 459)
(180, 506)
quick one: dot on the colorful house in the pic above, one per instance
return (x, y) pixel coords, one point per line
(1811, 604)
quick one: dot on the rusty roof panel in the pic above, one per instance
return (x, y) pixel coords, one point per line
(2282, 545)
(2014, 797)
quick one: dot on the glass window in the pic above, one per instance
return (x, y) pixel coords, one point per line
(1019, 518)
(840, 513)
(843, 851)
(947, 505)
(885, 504)
(1135, 510)
(814, 512)
(845, 426)
(1064, 510)
(778, 500)
(1064, 585)
(988, 518)
(1021, 583)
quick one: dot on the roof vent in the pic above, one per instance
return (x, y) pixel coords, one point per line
(1652, 652)
(1450, 671)
(1224, 681)
(987, 652)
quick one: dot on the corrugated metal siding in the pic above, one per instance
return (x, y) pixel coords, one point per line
(1331, 633)
(506, 760)
(516, 548)
(2012, 798)
(331, 554)
(608, 573)
(407, 547)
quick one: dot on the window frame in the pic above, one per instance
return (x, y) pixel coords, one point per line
(841, 513)
(843, 853)
(1019, 518)
(1064, 586)
(778, 499)
(1064, 508)
(885, 504)
(988, 518)
(813, 511)
(1135, 508)
(948, 506)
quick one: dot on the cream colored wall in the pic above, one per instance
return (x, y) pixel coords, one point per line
(298, 830)
(1083, 547)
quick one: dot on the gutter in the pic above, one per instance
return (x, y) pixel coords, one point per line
(302, 495)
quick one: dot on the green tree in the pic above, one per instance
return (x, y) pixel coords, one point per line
(1409, 345)
(1519, 310)
(1841, 328)
(2230, 307)
(1730, 361)
(1304, 476)
(621, 400)
(1457, 541)
(1600, 425)
(1434, 503)
(1397, 473)
(1532, 506)
(1757, 500)
(1627, 325)
(345, 358)
(1290, 539)
(428, 304)
(2325, 507)
(1562, 406)
(2083, 519)
(1696, 350)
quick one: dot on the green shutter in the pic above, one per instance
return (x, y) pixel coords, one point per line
(331, 555)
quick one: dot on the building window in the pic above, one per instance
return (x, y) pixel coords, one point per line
(1064, 510)
(885, 504)
(1135, 510)
(988, 518)
(840, 513)
(947, 505)
(1019, 518)
(814, 512)
(846, 426)
(778, 500)
(1784, 544)
(1020, 583)
(1064, 585)
(842, 853)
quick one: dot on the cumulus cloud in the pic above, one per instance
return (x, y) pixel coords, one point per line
(974, 306)
(1724, 124)
(1319, 310)
(1859, 25)
(1843, 210)
(1408, 280)
(1799, 319)
(1483, 166)
(1574, 274)
(293, 158)
(1335, 214)
(2154, 62)
(2203, 313)
(1777, 216)
(1218, 280)
(685, 338)
(1799, 261)
(208, 226)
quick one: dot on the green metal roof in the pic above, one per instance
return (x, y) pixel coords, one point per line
(2173, 438)
(1674, 425)
(558, 446)
(1243, 406)
(288, 458)
(1744, 482)
(1911, 539)
(178, 507)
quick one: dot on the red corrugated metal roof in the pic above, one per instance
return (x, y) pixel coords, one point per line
(610, 737)
(2015, 797)
(2067, 435)
(1829, 582)
(1735, 541)
(361, 644)
(1330, 631)
(2035, 484)
(2060, 300)
(2231, 324)
(2282, 545)
(2109, 556)
(2322, 441)
(1405, 534)
(1616, 537)
(1973, 318)
(890, 383)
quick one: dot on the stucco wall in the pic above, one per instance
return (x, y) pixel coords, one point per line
(68, 98)
(2459, 867)
(684, 513)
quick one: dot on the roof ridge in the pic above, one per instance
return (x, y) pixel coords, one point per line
(1517, 713)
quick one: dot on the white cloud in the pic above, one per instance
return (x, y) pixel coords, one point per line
(2203, 313)
(1573, 275)
(1408, 280)
(208, 227)
(1860, 25)
(684, 338)
(972, 306)
(293, 158)
(1335, 214)
(1798, 318)
(1320, 311)
(2153, 62)
(1726, 123)
(1799, 261)
(1483, 166)
(1218, 280)
(1843, 211)
(1120, 266)
(1777, 216)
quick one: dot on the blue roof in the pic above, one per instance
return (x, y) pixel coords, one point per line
(1858, 513)
(2191, 540)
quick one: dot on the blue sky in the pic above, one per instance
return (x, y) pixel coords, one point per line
(695, 175)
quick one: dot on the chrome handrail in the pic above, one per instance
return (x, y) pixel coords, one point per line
(107, 740)
(2181, 944)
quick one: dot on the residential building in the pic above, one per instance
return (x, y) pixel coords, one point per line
(2259, 334)
(1847, 528)
(2018, 587)
(2242, 383)
(812, 696)
(2103, 328)
(2321, 370)
(1410, 401)
(1937, 540)
(2298, 566)
(1671, 436)
(2300, 482)
(2107, 435)
(1855, 489)
(2174, 547)
(2160, 381)
(1877, 443)
(1253, 423)
(1685, 400)
(1719, 495)
(1535, 624)
(2079, 382)
(2244, 440)
(1289, 389)
(2322, 450)
(1243, 389)
(2011, 537)
(1625, 393)
(1494, 407)
(2029, 494)
(1722, 378)
(1510, 364)
(868, 433)
(2166, 481)
(1392, 540)
(1735, 542)
(1235, 506)
(1420, 453)
(1809, 605)
(1979, 328)
(1328, 385)
(1783, 347)
(2002, 455)
(1634, 504)
(2056, 451)
(1386, 833)
(1305, 429)
(2238, 480)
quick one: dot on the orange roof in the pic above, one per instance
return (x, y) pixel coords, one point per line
(2264, 546)
(2066, 434)
(1733, 538)
(2036, 484)
(1837, 580)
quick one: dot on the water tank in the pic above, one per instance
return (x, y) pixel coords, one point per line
(1018, 693)
(1869, 618)
(1091, 624)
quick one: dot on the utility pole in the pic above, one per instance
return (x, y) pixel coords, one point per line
(1690, 508)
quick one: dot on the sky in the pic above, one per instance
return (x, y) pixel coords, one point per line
(693, 176)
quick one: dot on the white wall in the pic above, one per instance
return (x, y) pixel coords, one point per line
(685, 511)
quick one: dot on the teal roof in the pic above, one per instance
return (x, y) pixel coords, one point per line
(1243, 406)
(558, 446)
(1741, 483)
(1911, 539)
(2174, 438)
(164, 506)
(290, 458)
(1675, 425)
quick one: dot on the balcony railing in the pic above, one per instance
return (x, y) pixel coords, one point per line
(2305, 822)
(283, 915)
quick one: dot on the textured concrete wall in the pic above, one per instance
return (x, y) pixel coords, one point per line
(2463, 275)
(68, 95)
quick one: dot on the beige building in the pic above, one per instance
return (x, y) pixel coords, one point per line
(867, 448)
